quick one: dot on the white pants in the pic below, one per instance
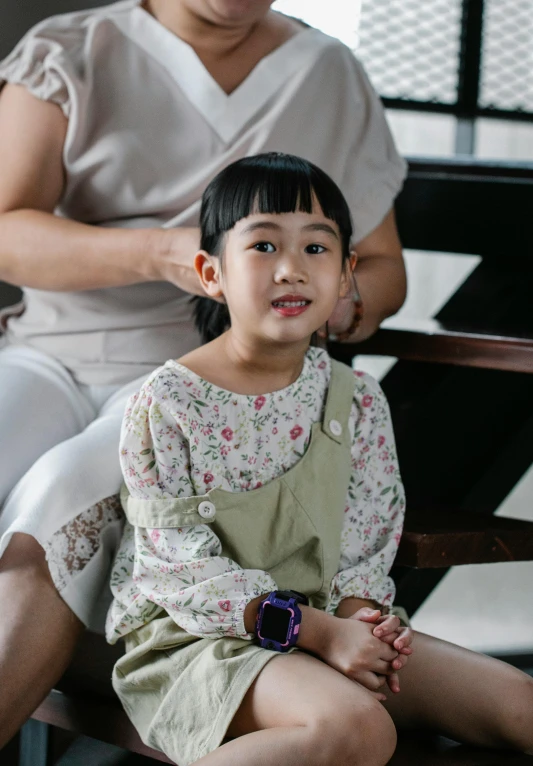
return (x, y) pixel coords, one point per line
(59, 472)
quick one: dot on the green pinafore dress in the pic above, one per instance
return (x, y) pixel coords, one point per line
(182, 692)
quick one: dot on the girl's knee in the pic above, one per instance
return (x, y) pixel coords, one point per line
(358, 733)
(516, 718)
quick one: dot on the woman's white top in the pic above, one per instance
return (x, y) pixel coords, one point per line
(183, 436)
(148, 129)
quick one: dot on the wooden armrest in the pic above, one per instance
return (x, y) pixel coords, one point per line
(436, 539)
(430, 341)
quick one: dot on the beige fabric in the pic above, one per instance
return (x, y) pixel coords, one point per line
(148, 129)
(182, 692)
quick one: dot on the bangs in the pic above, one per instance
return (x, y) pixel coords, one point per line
(271, 183)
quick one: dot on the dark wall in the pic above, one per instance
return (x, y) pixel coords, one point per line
(17, 16)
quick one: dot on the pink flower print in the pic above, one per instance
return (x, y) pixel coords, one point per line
(274, 430)
(215, 407)
(259, 484)
(367, 400)
(155, 534)
(225, 450)
(296, 432)
(259, 402)
(227, 434)
(322, 365)
(208, 478)
(225, 605)
(359, 374)
(149, 402)
(381, 441)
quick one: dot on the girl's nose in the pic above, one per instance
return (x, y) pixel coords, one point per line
(291, 270)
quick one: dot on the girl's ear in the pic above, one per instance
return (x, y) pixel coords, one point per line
(347, 272)
(208, 269)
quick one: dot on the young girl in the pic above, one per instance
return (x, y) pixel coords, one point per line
(264, 509)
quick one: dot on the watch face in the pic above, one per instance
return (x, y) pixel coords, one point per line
(275, 623)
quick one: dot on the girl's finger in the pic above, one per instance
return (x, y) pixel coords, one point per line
(389, 638)
(393, 683)
(400, 662)
(366, 614)
(377, 695)
(404, 639)
(388, 625)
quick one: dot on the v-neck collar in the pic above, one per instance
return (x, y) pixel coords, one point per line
(226, 114)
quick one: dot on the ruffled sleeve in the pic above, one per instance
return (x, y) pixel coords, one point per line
(39, 63)
(178, 569)
(375, 503)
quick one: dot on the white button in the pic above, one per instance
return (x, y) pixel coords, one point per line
(207, 510)
(335, 427)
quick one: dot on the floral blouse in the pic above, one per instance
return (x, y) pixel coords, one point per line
(184, 436)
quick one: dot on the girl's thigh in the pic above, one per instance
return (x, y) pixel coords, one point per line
(468, 696)
(40, 407)
(299, 690)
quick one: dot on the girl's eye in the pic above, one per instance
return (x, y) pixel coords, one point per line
(315, 249)
(265, 247)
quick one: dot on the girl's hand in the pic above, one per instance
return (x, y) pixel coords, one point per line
(352, 649)
(389, 629)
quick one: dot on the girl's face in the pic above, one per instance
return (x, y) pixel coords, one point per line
(281, 276)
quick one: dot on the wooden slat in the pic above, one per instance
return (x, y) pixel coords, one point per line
(437, 539)
(429, 341)
(96, 717)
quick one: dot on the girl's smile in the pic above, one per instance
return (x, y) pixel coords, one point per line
(291, 305)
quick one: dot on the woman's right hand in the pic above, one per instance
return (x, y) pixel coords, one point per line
(173, 260)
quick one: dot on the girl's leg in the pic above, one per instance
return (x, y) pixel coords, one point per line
(299, 710)
(466, 696)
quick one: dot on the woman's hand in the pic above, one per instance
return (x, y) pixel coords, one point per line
(389, 629)
(172, 260)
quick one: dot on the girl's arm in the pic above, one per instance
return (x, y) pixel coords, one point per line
(180, 569)
(375, 505)
(43, 251)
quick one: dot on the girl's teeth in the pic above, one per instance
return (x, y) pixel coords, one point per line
(291, 304)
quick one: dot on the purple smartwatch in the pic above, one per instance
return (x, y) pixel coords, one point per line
(279, 618)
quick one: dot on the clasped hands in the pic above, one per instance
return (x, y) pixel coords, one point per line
(382, 644)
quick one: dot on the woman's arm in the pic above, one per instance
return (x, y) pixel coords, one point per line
(43, 251)
(381, 280)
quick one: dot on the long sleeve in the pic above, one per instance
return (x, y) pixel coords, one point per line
(375, 503)
(177, 569)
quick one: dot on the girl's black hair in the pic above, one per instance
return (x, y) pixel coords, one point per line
(265, 183)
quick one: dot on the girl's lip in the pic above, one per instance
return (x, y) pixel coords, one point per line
(292, 298)
(300, 304)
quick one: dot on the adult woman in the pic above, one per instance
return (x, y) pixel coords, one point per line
(116, 119)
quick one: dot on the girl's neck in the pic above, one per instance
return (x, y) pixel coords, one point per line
(269, 367)
(245, 368)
